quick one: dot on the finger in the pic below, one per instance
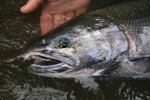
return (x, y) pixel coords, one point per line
(46, 23)
(65, 7)
(31, 6)
(69, 16)
(52, 5)
(59, 19)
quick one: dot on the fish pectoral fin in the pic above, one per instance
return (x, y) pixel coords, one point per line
(137, 56)
(134, 67)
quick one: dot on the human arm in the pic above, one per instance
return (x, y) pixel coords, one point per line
(58, 12)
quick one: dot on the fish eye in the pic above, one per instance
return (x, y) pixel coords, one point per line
(63, 43)
(44, 42)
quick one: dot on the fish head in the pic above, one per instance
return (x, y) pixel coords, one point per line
(76, 50)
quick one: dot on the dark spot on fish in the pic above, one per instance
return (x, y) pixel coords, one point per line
(61, 69)
(64, 43)
(87, 60)
(50, 62)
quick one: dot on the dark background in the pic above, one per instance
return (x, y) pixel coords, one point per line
(17, 84)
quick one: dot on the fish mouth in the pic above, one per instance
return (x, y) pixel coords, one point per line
(50, 66)
(43, 63)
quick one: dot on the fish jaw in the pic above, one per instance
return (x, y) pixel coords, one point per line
(52, 60)
(65, 63)
(71, 73)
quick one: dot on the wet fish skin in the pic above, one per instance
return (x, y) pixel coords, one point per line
(87, 47)
(134, 18)
(94, 45)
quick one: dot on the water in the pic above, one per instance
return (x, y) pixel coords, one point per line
(17, 84)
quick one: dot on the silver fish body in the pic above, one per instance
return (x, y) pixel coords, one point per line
(87, 47)
(94, 45)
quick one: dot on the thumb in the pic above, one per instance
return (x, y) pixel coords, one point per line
(31, 5)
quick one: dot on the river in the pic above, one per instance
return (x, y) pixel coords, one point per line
(16, 29)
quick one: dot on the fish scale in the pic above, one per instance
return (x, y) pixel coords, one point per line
(128, 10)
(132, 16)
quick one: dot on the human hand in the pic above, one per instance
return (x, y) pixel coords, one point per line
(56, 12)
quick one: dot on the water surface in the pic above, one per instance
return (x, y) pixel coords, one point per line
(17, 84)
